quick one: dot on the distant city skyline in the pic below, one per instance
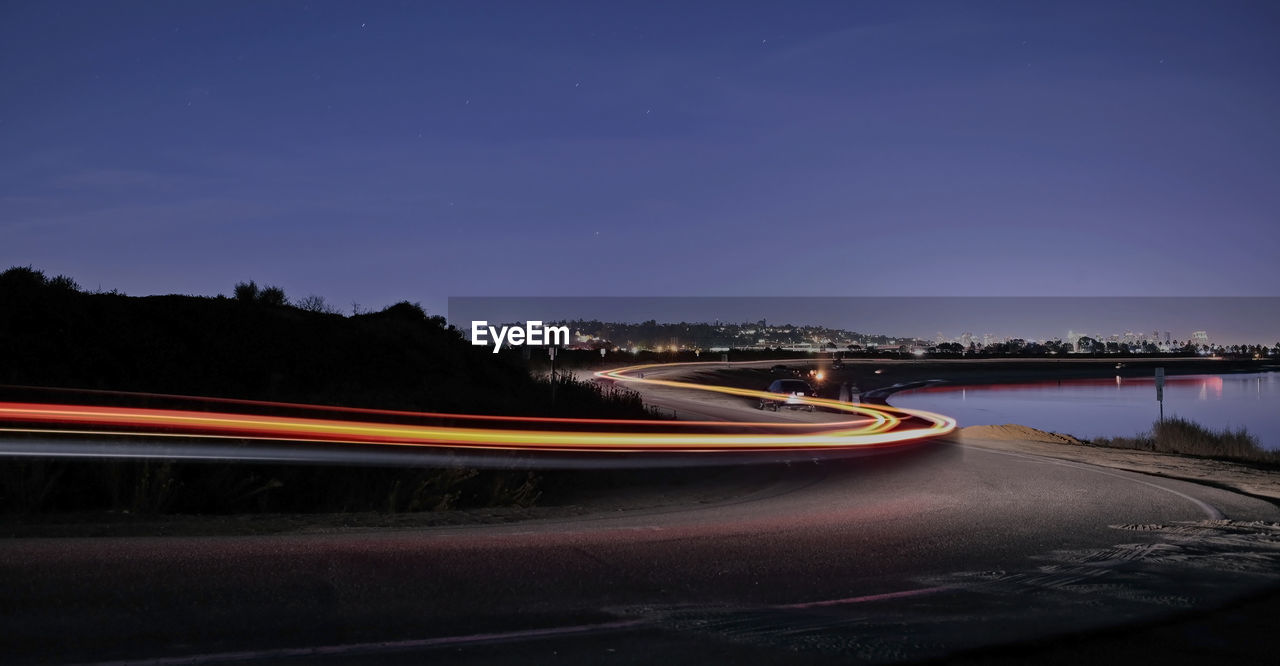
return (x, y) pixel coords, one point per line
(1241, 320)
(761, 335)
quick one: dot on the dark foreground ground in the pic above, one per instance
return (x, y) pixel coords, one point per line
(933, 552)
(1226, 635)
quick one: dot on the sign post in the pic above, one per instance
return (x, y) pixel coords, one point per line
(1160, 391)
(551, 351)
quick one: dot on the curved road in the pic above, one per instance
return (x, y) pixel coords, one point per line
(908, 556)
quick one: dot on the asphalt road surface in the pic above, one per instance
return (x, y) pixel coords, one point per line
(929, 552)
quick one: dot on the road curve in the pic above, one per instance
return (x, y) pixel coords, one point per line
(911, 555)
(315, 432)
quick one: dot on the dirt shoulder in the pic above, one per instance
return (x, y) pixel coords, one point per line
(1263, 483)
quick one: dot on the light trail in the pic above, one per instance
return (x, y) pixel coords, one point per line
(870, 426)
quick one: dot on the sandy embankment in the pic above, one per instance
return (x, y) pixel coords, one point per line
(1022, 439)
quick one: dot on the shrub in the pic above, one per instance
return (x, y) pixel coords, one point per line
(20, 277)
(1178, 435)
(64, 282)
(272, 296)
(404, 310)
(314, 303)
(246, 291)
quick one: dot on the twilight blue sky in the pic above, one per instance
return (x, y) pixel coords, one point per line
(379, 151)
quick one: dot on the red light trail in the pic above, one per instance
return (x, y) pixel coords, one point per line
(869, 425)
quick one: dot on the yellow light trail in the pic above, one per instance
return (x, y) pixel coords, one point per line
(873, 426)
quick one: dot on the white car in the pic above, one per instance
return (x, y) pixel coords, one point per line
(791, 393)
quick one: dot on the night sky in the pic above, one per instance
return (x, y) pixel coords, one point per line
(373, 152)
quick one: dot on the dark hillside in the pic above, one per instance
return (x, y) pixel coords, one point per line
(398, 358)
(251, 347)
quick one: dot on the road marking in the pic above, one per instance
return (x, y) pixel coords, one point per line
(867, 598)
(1209, 510)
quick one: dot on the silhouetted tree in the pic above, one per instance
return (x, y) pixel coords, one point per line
(314, 303)
(406, 310)
(272, 296)
(246, 291)
(64, 282)
(22, 277)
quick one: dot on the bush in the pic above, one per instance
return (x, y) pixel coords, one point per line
(246, 292)
(22, 277)
(152, 487)
(1178, 435)
(314, 303)
(273, 296)
(65, 283)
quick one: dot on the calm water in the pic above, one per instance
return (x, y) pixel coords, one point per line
(1118, 407)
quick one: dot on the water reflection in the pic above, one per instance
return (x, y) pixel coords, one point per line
(1111, 407)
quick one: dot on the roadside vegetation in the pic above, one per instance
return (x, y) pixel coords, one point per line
(1178, 435)
(258, 345)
